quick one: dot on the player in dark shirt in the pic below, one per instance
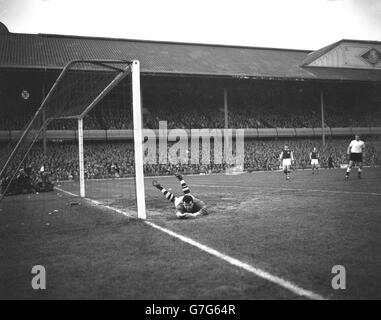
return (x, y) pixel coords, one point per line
(187, 206)
(314, 157)
(330, 162)
(287, 158)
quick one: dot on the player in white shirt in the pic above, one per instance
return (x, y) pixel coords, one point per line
(356, 153)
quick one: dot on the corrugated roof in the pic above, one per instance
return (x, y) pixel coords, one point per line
(54, 51)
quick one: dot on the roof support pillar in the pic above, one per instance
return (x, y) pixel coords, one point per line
(44, 145)
(226, 108)
(322, 116)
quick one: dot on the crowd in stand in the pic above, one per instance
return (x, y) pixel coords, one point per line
(343, 118)
(117, 117)
(116, 159)
(103, 160)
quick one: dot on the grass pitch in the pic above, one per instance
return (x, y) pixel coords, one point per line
(296, 230)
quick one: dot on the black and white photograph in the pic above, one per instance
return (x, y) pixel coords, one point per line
(190, 155)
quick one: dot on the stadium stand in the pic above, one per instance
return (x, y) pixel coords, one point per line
(277, 91)
(203, 117)
(115, 159)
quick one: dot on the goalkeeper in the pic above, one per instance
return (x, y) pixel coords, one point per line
(187, 206)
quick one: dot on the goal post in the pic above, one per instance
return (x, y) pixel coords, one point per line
(138, 139)
(81, 159)
(138, 143)
(80, 87)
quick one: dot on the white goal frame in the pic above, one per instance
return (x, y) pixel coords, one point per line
(138, 144)
(138, 140)
(134, 67)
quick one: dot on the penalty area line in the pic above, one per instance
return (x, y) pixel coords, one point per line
(233, 261)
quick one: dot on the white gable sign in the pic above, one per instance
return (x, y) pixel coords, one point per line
(351, 55)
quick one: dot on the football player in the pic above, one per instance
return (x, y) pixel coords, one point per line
(287, 158)
(187, 206)
(314, 157)
(356, 153)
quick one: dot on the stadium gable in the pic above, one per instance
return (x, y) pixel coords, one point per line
(350, 54)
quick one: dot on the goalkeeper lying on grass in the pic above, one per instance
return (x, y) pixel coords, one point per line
(187, 206)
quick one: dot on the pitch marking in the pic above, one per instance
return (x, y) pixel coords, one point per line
(233, 261)
(286, 189)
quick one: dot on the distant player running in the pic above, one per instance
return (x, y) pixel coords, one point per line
(314, 157)
(187, 206)
(287, 158)
(355, 151)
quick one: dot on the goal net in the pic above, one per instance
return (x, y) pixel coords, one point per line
(91, 103)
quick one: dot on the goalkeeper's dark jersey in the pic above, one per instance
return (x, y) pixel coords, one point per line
(198, 205)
